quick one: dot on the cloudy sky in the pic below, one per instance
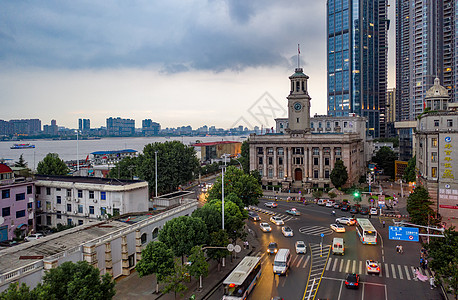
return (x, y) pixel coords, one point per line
(177, 62)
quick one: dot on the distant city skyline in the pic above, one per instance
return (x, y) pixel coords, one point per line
(166, 61)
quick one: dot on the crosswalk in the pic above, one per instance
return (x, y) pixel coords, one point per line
(395, 271)
(315, 230)
(319, 255)
(284, 217)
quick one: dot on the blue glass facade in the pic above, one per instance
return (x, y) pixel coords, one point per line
(353, 60)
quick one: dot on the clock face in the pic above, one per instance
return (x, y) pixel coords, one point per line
(297, 106)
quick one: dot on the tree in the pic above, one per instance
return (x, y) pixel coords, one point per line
(332, 195)
(52, 165)
(174, 281)
(176, 164)
(125, 169)
(339, 174)
(245, 186)
(210, 216)
(23, 292)
(218, 239)
(317, 194)
(245, 157)
(182, 233)
(156, 259)
(21, 163)
(385, 159)
(233, 218)
(199, 265)
(410, 174)
(78, 281)
(419, 207)
(444, 258)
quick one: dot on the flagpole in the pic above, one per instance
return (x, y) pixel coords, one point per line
(298, 53)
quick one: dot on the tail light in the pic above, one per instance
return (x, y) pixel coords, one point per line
(356, 283)
(346, 282)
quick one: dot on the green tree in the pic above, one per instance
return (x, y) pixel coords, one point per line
(410, 174)
(199, 265)
(210, 216)
(332, 195)
(52, 165)
(125, 169)
(385, 159)
(245, 186)
(78, 281)
(444, 258)
(339, 174)
(174, 282)
(21, 163)
(182, 233)
(317, 194)
(245, 157)
(218, 239)
(156, 259)
(233, 218)
(23, 292)
(419, 207)
(176, 164)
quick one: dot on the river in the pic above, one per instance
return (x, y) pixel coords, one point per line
(67, 149)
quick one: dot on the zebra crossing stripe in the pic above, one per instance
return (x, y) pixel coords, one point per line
(400, 272)
(407, 272)
(297, 256)
(387, 271)
(328, 265)
(354, 267)
(361, 267)
(348, 266)
(393, 271)
(306, 261)
(341, 265)
(335, 265)
(299, 262)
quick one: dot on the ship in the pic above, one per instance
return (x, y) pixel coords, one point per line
(22, 146)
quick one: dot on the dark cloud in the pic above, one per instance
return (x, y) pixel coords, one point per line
(175, 36)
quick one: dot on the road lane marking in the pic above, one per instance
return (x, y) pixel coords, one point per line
(407, 272)
(360, 268)
(297, 256)
(335, 265)
(329, 264)
(306, 261)
(341, 265)
(386, 272)
(347, 268)
(353, 269)
(400, 272)
(299, 262)
(393, 271)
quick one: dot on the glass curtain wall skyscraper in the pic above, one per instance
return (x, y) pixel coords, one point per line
(357, 53)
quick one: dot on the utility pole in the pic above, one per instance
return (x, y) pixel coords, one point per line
(155, 169)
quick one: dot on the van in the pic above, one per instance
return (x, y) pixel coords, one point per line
(282, 261)
(338, 246)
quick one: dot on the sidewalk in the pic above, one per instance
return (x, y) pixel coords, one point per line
(134, 287)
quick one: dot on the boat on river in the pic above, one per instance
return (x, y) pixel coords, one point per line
(22, 146)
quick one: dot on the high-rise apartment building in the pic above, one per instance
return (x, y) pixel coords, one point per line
(26, 126)
(84, 125)
(426, 37)
(120, 127)
(357, 60)
(150, 128)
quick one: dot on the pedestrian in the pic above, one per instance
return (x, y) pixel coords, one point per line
(397, 248)
(422, 263)
(383, 223)
(401, 250)
(369, 216)
(431, 282)
(426, 263)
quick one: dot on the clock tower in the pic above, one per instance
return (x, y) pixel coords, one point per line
(298, 103)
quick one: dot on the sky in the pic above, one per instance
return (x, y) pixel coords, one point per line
(178, 62)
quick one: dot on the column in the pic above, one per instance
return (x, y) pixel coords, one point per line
(275, 163)
(124, 256)
(290, 175)
(306, 162)
(320, 163)
(108, 259)
(332, 158)
(310, 159)
(89, 254)
(138, 244)
(264, 162)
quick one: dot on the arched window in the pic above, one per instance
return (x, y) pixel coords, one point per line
(155, 233)
(143, 238)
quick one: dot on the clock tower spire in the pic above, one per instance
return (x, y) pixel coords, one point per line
(298, 103)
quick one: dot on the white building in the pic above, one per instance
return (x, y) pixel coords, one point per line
(79, 200)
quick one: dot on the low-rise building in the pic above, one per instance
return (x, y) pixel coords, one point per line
(111, 157)
(79, 200)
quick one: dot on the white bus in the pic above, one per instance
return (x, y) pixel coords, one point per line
(242, 279)
(367, 233)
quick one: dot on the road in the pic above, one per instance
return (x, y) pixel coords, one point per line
(320, 275)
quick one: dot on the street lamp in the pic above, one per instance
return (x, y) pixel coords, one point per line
(155, 169)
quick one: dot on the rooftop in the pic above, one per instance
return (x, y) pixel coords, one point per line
(114, 152)
(84, 179)
(5, 169)
(215, 143)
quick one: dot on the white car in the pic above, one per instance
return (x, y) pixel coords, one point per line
(374, 211)
(346, 221)
(322, 201)
(330, 203)
(32, 237)
(337, 228)
(277, 220)
(287, 231)
(372, 266)
(265, 227)
(271, 204)
(300, 247)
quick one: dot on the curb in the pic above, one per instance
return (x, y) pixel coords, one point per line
(395, 216)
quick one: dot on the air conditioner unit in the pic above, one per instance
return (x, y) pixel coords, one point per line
(75, 211)
(95, 200)
(77, 200)
(108, 206)
(69, 198)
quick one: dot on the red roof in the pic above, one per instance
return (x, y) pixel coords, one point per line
(214, 143)
(5, 169)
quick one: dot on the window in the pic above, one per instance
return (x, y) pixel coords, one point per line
(91, 194)
(434, 142)
(299, 160)
(326, 161)
(20, 213)
(155, 233)
(59, 216)
(103, 195)
(260, 160)
(29, 189)
(271, 160)
(433, 156)
(260, 172)
(38, 190)
(270, 173)
(316, 151)
(80, 208)
(281, 174)
(315, 174)
(434, 172)
(297, 120)
(280, 160)
(449, 123)
(270, 150)
(69, 193)
(48, 191)
(80, 194)
(436, 123)
(280, 151)
(58, 199)
(91, 210)
(58, 189)
(260, 150)
(5, 211)
(326, 173)
(5, 194)
(20, 196)
(103, 211)
(338, 151)
(143, 238)
(69, 207)
(30, 205)
(315, 161)
(80, 222)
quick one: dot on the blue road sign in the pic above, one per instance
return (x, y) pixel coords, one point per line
(409, 234)
(322, 235)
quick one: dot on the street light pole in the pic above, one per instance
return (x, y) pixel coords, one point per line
(77, 151)
(155, 169)
(222, 191)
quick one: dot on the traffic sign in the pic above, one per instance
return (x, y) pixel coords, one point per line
(409, 234)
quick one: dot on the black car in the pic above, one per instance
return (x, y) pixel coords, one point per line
(253, 216)
(352, 280)
(364, 211)
(354, 210)
(345, 207)
(272, 248)
(337, 205)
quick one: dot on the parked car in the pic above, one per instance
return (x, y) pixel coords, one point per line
(364, 211)
(354, 209)
(337, 205)
(330, 203)
(300, 247)
(374, 211)
(293, 212)
(345, 207)
(271, 204)
(252, 215)
(337, 228)
(352, 280)
(33, 236)
(322, 201)
(8, 243)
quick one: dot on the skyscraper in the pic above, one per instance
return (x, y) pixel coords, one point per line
(426, 37)
(357, 54)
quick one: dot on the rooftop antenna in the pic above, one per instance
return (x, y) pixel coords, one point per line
(298, 54)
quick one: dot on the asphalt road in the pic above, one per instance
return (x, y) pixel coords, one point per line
(321, 275)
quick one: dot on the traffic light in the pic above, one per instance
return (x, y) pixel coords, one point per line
(356, 194)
